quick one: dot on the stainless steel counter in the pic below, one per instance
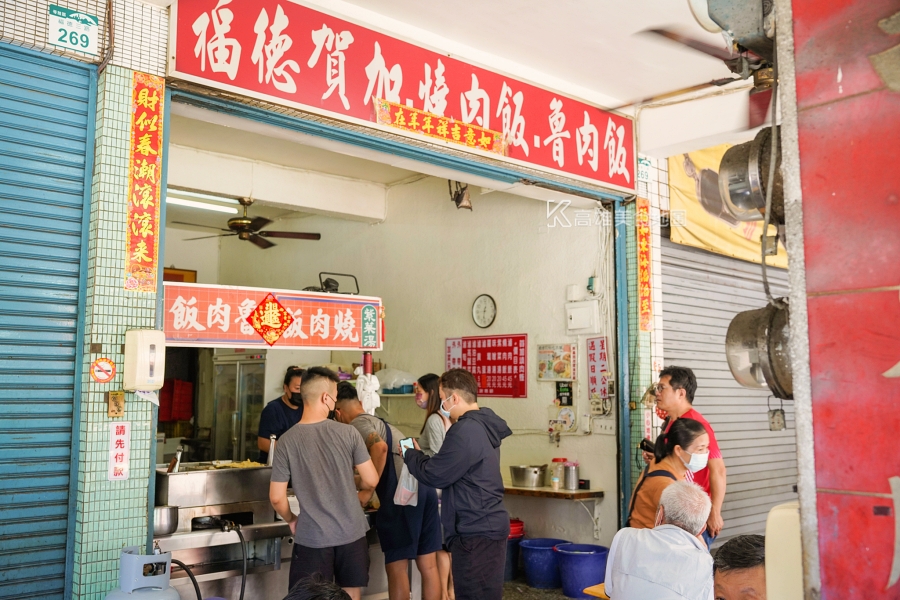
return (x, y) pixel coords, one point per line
(241, 496)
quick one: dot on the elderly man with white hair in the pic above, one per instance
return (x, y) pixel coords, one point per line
(670, 561)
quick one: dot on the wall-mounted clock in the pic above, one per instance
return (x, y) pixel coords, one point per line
(484, 311)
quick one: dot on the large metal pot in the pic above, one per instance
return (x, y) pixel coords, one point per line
(165, 520)
(528, 475)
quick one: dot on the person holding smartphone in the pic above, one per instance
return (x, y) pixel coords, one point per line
(405, 532)
(431, 438)
(467, 469)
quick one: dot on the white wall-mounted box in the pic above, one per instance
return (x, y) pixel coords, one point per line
(583, 317)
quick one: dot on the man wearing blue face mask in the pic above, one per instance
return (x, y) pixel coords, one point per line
(467, 469)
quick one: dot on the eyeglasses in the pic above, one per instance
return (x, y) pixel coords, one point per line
(659, 388)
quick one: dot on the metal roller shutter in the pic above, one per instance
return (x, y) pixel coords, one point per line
(46, 136)
(701, 293)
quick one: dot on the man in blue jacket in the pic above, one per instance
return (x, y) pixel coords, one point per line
(467, 469)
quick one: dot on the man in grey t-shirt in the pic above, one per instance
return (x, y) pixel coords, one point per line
(319, 455)
(405, 532)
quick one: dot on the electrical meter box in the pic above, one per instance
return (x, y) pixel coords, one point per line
(583, 317)
(145, 360)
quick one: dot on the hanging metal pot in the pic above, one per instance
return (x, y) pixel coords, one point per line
(757, 347)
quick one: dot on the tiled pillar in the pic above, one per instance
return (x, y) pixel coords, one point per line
(109, 515)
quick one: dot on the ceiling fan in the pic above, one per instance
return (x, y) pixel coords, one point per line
(749, 28)
(249, 229)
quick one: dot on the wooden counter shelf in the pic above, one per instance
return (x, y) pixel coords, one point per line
(547, 492)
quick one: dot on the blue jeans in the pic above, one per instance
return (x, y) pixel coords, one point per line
(709, 539)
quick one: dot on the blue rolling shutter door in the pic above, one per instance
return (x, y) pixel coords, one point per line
(46, 124)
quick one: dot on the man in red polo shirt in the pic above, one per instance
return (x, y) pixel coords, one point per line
(675, 395)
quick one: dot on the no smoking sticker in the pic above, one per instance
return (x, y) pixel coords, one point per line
(103, 370)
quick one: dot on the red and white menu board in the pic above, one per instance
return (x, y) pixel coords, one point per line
(498, 363)
(119, 450)
(295, 55)
(598, 368)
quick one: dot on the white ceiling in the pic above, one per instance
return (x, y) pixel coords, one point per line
(594, 44)
(206, 222)
(228, 140)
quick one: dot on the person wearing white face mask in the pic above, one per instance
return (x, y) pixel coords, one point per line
(467, 469)
(675, 395)
(431, 438)
(683, 449)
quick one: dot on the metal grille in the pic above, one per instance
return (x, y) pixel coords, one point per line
(701, 294)
(45, 109)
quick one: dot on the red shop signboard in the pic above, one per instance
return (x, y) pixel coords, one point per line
(498, 362)
(220, 316)
(287, 53)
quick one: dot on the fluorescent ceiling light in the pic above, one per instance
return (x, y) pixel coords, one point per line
(199, 196)
(202, 205)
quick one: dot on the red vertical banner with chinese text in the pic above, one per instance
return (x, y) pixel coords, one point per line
(145, 154)
(642, 224)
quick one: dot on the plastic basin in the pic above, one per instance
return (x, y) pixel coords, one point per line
(540, 562)
(581, 566)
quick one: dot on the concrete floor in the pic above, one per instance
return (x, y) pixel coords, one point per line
(519, 590)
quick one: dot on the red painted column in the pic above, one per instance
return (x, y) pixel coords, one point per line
(847, 63)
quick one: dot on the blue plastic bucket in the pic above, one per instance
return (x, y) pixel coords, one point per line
(539, 560)
(581, 566)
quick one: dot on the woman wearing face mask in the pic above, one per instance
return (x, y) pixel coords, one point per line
(684, 448)
(436, 424)
(431, 437)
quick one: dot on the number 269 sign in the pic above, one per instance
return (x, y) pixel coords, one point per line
(72, 29)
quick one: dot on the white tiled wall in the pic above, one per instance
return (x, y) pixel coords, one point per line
(141, 31)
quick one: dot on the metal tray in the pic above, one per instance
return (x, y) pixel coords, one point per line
(194, 487)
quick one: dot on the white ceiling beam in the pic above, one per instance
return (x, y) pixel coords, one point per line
(275, 185)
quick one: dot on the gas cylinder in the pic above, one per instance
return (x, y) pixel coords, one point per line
(143, 576)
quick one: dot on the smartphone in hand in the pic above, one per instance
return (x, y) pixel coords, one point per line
(406, 444)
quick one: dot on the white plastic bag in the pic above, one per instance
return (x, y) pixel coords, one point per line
(367, 387)
(407, 493)
(394, 378)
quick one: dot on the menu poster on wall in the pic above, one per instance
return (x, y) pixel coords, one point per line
(497, 362)
(119, 450)
(598, 368)
(556, 362)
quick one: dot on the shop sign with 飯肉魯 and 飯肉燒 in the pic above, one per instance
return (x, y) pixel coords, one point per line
(236, 317)
(284, 52)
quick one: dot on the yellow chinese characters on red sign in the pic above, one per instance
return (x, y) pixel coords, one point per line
(270, 319)
(144, 173)
(450, 130)
(642, 224)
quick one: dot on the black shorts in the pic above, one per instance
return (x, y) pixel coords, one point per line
(347, 565)
(424, 524)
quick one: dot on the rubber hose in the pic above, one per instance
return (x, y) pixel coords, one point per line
(244, 557)
(193, 579)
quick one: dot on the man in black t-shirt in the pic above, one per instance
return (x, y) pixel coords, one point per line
(281, 414)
